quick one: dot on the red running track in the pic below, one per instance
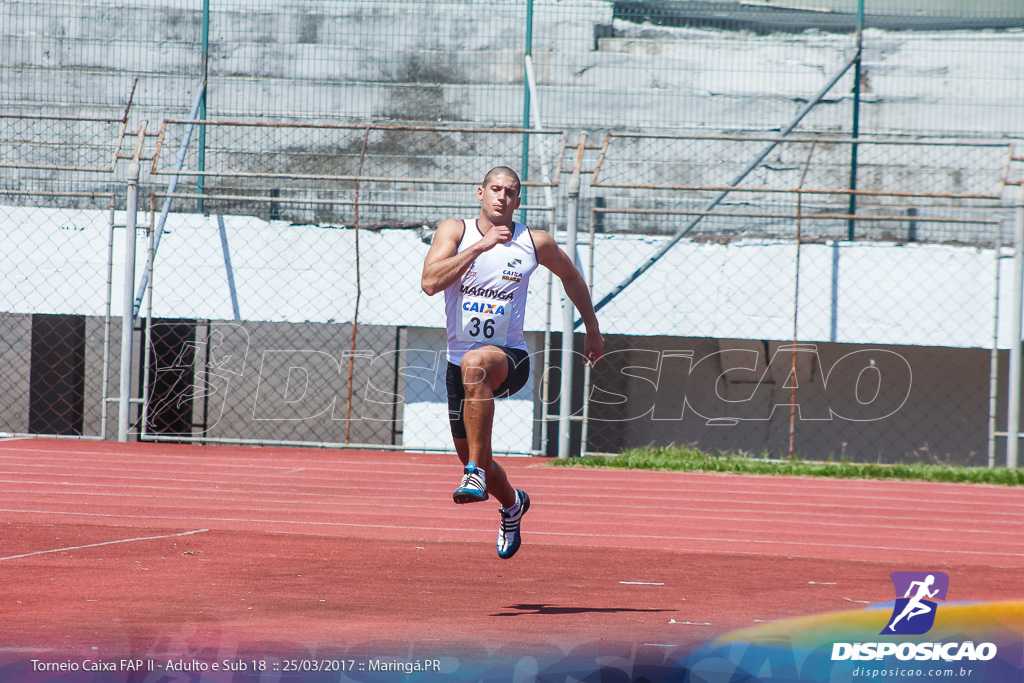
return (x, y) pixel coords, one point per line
(155, 549)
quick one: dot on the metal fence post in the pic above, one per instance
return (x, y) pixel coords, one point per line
(1013, 404)
(993, 377)
(856, 121)
(201, 179)
(568, 314)
(128, 311)
(524, 167)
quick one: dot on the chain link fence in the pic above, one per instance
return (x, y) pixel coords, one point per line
(926, 66)
(844, 295)
(807, 327)
(272, 306)
(55, 315)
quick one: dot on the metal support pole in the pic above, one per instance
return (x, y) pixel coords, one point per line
(851, 226)
(568, 313)
(993, 377)
(587, 368)
(201, 180)
(127, 312)
(147, 338)
(524, 165)
(227, 266)
(1013, 404)
(104, 406)
(545, 172)
(545, 382)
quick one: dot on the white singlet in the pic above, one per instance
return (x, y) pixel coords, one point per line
(488, 305)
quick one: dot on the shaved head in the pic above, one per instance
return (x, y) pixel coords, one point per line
(502, 171)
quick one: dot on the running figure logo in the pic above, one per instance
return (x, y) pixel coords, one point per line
(914, 613)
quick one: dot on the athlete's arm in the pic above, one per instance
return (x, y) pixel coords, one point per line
(556, 260)
(443, 266)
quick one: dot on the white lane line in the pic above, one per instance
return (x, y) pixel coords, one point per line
(169, 460)
(785, 505)
(739, 481)
(351, 495)
(96, 545)
(343, 506)
(371, 467)
(556, 534)
(642, 583)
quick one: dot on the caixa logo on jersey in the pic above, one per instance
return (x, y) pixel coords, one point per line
(914, 612)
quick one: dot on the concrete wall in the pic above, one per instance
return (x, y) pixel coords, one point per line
(286, 382)
(438, 62)
(863, 402)
(981, 7)
(265, 381)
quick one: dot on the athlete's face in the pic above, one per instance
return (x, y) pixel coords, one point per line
(499, 197)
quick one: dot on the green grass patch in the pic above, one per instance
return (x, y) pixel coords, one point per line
(692, 460)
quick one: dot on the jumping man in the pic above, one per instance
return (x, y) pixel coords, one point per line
(483, 266)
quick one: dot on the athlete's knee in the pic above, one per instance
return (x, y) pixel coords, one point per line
(475, 365)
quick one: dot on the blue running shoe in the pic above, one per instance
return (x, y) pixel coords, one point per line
(472, 489)
(509, 538)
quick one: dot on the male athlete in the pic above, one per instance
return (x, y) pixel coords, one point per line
(483, 266)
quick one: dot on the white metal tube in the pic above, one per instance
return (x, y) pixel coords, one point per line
(531, 83)
(587, 369)
(545, 382)
(104, 410)
(568, 314)
(1013, 405)
(128, 310)
(993, 377)
(227, 266)
(147, 339)
(545, 393)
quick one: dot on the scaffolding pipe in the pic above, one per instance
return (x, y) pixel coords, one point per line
(647, 265)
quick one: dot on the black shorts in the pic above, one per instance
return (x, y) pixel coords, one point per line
(518, 375)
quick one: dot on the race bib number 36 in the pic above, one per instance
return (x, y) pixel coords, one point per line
(484, 321)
